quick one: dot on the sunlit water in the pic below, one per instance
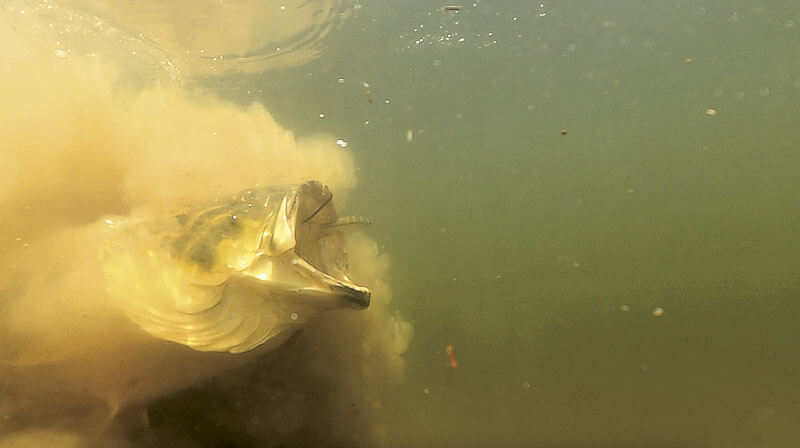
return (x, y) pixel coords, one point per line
(596, 204)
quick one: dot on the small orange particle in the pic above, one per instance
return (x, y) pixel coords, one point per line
(658, 312)
(688, 61)
(563, 132)
(451, 356)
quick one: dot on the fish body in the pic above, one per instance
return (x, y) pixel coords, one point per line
(152, 304)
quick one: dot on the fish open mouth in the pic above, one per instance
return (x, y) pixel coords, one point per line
(303, 251)
(344, 290)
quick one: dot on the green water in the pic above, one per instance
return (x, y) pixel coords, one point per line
(596, 203)
(542, 256)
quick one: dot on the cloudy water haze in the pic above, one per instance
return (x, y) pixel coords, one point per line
(594, 204)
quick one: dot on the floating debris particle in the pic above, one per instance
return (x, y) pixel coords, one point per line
(687, 61)
(341, 143)
(711, 112)
(629, 190)
(563, 132)
(454, 8)
(624, 308)
(530, 107)
(367, 92)
(409, 135)
(608, 24)
(293, 316)
(451, 356)
(426, 391)
(526, 385)
(321, 115)
(658, 312)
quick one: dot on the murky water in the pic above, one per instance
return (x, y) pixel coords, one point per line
(596, 204)
(543, 256)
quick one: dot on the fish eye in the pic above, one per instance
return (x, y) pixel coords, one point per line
(231, 227)
(248, 197)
